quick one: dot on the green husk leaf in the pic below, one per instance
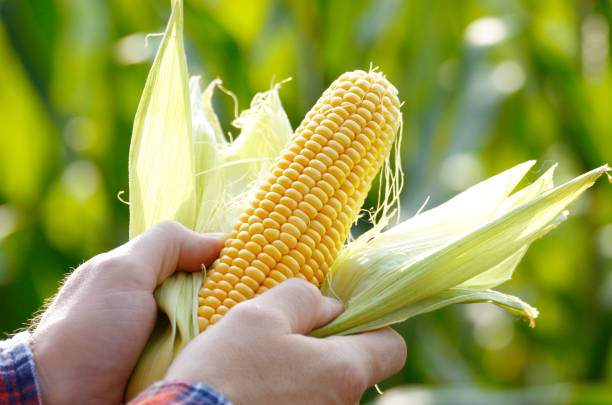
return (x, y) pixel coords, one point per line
(161, 168)
(172, 332)
(391, 286)
(227, 172)
(163, 187)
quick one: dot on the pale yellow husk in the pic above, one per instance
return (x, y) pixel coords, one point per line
(183, 168)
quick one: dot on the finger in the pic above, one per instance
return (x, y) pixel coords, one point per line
(302, 305)
(169, 246)
(379, 354)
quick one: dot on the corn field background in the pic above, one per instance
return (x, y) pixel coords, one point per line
(486, 85)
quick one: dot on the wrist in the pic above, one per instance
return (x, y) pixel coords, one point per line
(52, 384)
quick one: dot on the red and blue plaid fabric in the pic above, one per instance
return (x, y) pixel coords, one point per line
(18, 384)
(179, 393)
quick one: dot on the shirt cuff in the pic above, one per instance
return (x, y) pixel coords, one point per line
(179, 393)
(18, 382)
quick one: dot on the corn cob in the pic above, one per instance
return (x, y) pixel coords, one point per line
(301, 214)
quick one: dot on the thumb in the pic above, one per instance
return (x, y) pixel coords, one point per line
(169, 246)
(301, 304)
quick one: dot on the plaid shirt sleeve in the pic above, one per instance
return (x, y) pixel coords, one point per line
(179, 393)
(18, 383)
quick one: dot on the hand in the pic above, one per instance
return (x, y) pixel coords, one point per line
(90, 337)
(257, 354)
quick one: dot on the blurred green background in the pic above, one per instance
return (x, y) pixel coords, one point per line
(486, 84)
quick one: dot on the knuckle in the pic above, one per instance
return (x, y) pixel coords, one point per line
(251, 312)
(304, 289)
(168, 228)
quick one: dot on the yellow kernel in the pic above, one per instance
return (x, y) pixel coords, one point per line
(243, 290)
(284, 181)
(281, 246)
(277, 275)
(314, 201)
(212, 301)
(225, 286)
(236, 296)
(271, 234)
(331, 153)
(308, 209)
(240, 262)
(270, 223)
(353, 154)
(312, 173)
(267, 205)
(273, 252)
(222, 309)
(236, 243)
(301, 215)
(314, 235)
(302, 160)
(319, 137)
(215, 318)
(261, 266)
(298, 223)
(337, 173)
(317, 226)
(303, 249)
(342, 139)
(291, 263)
(324, 133)
(307, 272)
(269, 283)
(236, 271)
(288, 239)
(285, 270)
(324, 160)
(250, 283)
(326, 187)
(333, 181)
(246, 255)
(351, 98)
(293, 194)
(256, 228)
(261, 213)
(221, 268)
(219, 294)
(229, 302)
(291, 229)
(307, 180)
(291, 173)
(232, 279)
(202, 323)
(244, 236)
(318, 165)
(266, 259)
(335, 145)
(254, 274)
(300, 187)
(205, 311)
(313, 146)
(278, 218)
(283, 207)
(253, 247)
(259, 239)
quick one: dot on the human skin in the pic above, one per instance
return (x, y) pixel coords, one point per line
(258, 353)
(89, 339)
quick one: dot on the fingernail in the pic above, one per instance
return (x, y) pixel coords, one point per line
(216, 235)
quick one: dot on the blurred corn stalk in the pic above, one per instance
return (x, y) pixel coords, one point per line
(183, 168)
